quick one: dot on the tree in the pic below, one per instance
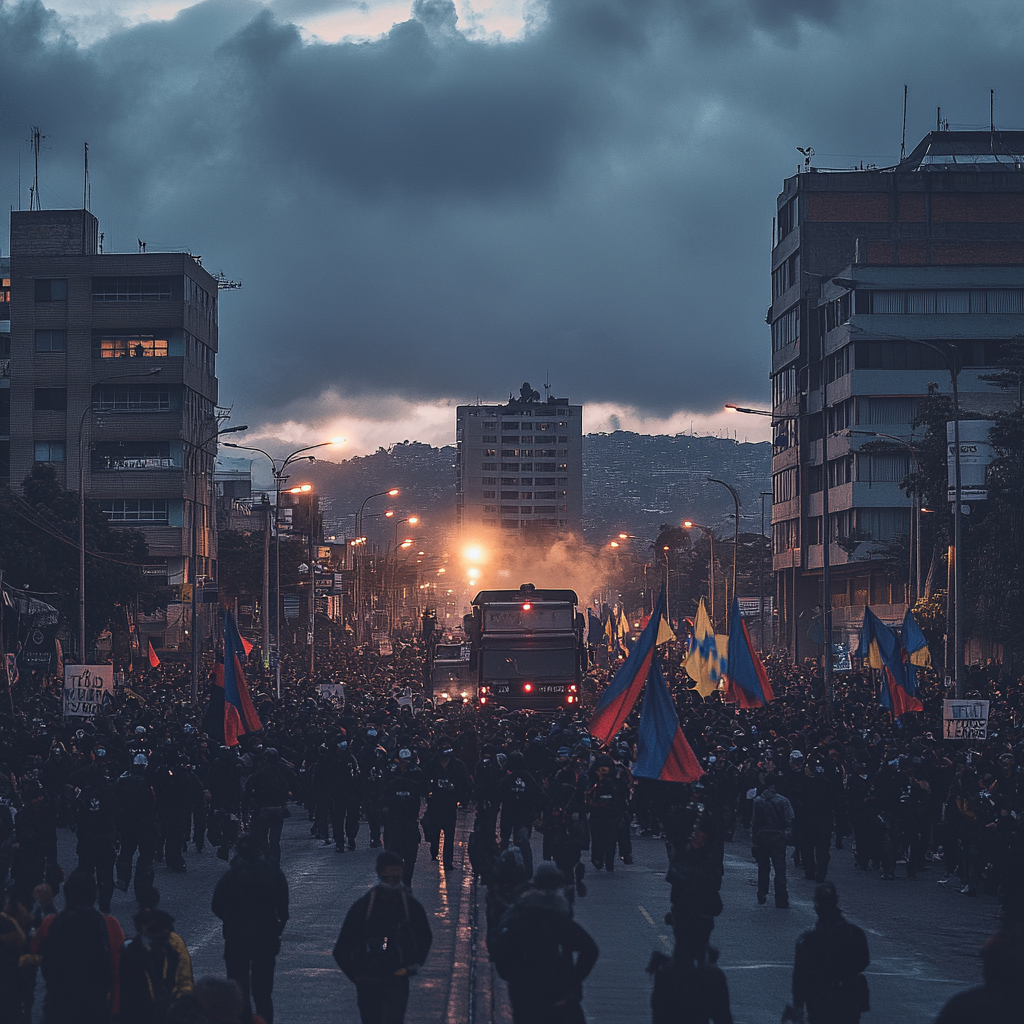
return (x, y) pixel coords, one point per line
(39, 549)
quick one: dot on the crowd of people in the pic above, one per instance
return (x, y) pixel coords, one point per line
(147, 778)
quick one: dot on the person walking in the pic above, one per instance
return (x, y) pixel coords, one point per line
(156, 970)
(266, 799)
(136, 825)
(771, 828)
(831, 957)
(383, 941)
(80, 955)
(448, 785)
(400, 806)
(544, 954)
(251, 899)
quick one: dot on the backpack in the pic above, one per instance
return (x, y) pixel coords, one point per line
(385, 950)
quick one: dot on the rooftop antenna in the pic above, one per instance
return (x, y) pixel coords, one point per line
(85, 181)
(903, 139)
(992, 110)
(36, 142)
(547, 385)
(808, 153)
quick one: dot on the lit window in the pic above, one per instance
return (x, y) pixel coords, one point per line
(120, 346)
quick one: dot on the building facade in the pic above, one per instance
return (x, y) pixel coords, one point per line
(112, 380)
(867, 265)
(520, 466)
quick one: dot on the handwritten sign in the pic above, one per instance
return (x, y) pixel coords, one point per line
(333, 691)
(87, 689)
(965, 719)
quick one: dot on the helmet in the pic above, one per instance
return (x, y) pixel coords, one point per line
(141, 760)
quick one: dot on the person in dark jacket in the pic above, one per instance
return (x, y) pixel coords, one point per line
(136, 825)
(400, 806)
(251, 899)
(771, 828)
(155, 970)
(828, 969)
(383, 941)
(447, 786)
(1000, 999)
(266, 799)
(543, 954)
(688, 991)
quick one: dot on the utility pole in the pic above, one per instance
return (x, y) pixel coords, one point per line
(760, 563)
(265, 603)
(736, 535)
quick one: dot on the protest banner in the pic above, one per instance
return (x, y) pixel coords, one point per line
(87, 688)
(965, 719)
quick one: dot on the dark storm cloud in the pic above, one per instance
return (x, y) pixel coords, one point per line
(427, 215)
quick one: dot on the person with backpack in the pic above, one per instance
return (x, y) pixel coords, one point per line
(828, 969)
(771, 829)
(266, 799)
(155, 969)
(80, 952)
(383, 941)
(543, 954)
(251, 899)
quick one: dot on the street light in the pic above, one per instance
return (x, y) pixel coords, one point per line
(196, 638)
(760, 563)
(736, 533)
(81, 500)
(280, 478)
(356, 566)
(731, 407)
(689, 524)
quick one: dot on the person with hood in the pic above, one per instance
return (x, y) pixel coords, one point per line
(266, 799)
(156, 970)
(80, 956)
(383, 942)
(521, 799)
(544, 954)
(400, 806)
(688, 989)
(251, 899)
(565, 827)
(607, 802)
(136, 825)
(828, 968)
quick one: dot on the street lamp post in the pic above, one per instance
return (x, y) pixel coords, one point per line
(357, 565)
(736, 534)
(199, 450)
(279, 478)
(760, 564)
(81, 501)
(710, 534)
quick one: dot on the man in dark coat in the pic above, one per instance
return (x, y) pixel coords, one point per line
(266, 799)
(447, 786)
(400, 806)
(543, 954)
(828, 969)
(136, 825)
(384, 940)
(771, 828)
(251, 899)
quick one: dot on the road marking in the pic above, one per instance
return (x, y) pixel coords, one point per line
(647, 917)
(666, 941)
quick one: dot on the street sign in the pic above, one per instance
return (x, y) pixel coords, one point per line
(965, 719)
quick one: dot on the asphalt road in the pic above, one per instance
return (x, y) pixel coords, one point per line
(924, 937)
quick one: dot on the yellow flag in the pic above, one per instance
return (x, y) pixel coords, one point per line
(665, 632)
(706, 661)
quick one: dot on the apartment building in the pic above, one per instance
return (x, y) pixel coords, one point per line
(866, 266)
(112, 379)
(520, 466)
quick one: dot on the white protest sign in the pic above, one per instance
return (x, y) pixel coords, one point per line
(87, 688)
(335, 691)
(964, 719)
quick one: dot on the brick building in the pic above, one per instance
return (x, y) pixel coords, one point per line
(865, 265)
(112, 361)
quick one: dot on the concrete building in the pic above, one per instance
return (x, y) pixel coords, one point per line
(520, 466)
(866, 264)
(113, 363)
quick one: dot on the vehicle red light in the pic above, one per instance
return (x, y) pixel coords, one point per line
(570, 699)
(528, 687)
(527, 607)
(483, 700)
(572, 687)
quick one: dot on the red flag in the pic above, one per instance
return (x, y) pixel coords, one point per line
(246, 646)
(154, 661)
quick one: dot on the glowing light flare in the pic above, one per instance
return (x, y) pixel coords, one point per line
(394, 492)
(338, 440)
(473, 574)
(688, 524)
(474, 553)
(301, 489)
(527, 607)
(623, 536)
(528, 687)
(614, 544)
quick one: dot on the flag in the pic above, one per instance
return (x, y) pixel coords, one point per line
(880, 648)
(662, 751)
(623, 631)
(246, 646)
(154, 661)
(594, 629)
(706, 659)
(60, 658)
(914, 642)
(618, 699)
(239, 715)
(748, 681)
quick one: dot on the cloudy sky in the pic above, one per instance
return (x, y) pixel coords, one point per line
(428, 203)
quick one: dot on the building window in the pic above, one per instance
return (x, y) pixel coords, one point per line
(841, 416)
(837, 365)
(510, 466)
(510, 510)
(975, 300)
(488, 494)
(814, 529)
(49, 451)
(545, 494)
(787, 217)
(526, 494)
(488, 465)
(135, 510)
(785, 486)
(133, 455)
(785, 535)
(51, 289)
(489, 480)
(526, 510)
(784, 276)
(509, 480)
(120, 346)
(134, 398)
(545, 481)
(887, 411)
(784, 386)
(489, 426)
(510, 494)
(786, 329)
(490, 508)
(136, 289)
(51, 341)
(544, 509)
(883, 467)
(841, 471)
(883, 524)
(489, 439)
(51, 399)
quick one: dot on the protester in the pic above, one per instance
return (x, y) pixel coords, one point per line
(156, 970)
(383, 942)
(251, 899)
(771, 830)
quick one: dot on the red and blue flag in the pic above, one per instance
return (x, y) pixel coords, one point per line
(239, 714)
(881, 649)
(618, 699)
(748, 683)
(662, 749)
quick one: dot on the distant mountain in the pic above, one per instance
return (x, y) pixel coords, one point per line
(631, 483)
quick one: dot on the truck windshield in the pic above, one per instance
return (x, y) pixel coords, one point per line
(528, 664)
